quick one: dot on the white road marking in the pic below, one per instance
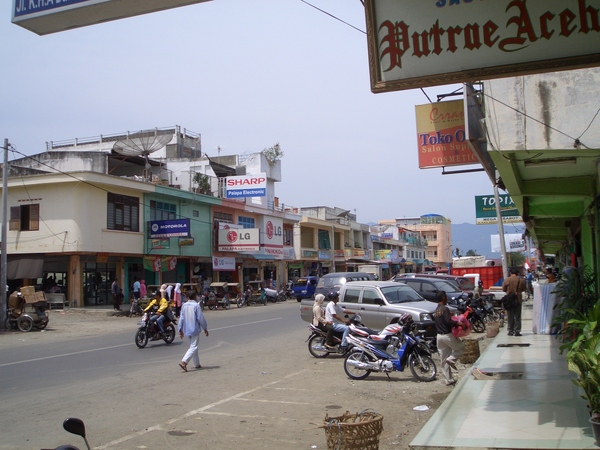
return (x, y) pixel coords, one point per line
(164, 425)
(122, 345)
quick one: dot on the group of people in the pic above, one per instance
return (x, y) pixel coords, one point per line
(191, 319)
(450, 347)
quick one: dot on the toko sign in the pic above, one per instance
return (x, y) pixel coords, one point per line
(246, 186)
(418, 43)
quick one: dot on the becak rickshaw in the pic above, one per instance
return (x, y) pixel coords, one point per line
(255, 292)
(27, 311)
(218, 296)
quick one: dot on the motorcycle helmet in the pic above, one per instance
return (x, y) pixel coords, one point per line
(333, 295)
(405, 318)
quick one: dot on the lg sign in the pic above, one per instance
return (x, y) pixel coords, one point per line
(232, 236)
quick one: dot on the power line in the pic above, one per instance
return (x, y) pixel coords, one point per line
(335, 17)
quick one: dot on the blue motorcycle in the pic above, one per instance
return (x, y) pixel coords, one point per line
(399, 348)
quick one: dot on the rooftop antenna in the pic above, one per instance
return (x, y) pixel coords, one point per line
(143, 144)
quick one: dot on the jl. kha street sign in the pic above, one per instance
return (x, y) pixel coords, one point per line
(485, 210)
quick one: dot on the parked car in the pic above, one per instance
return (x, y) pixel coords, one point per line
(380, 303)
(332, 282)
(428, 287)
(464, 283)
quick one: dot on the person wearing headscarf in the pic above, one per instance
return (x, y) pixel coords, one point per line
(319, 313)
(169, 292)
(177, 299)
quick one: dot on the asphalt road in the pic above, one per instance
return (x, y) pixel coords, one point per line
(259, 388)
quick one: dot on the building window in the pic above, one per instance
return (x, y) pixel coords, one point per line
(288, 234)
(123, 212)
(223, 217)
(162, 211)
(246, 222)
(324, 241)
(25, 218)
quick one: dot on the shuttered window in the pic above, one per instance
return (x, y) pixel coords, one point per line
(122, 212)
(25, 218)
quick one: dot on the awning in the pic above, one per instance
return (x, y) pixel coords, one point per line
(262, 257)
(24, 267)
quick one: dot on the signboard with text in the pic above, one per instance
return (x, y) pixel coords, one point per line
(271, 233)
(168, 228)
(419, 43)
(241, 240)
(50, 16)
(441, 135)
(246, 186)
(485, 210)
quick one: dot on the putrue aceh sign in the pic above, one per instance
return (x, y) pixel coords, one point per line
(49, 16)
(418, 43)
(485, 210)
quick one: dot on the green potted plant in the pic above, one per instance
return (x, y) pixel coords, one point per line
(583, 358)
(202, 183)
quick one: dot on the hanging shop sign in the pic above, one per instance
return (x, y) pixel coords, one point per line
(485, 210)
(49, 16)
(441, 135)
(168, 228)
(271, 236)
(160, 263)
(419, 43)
(246, 186)
(513, 242)
(244, 240)
(223, 263)
(158, 244)
(186, 241)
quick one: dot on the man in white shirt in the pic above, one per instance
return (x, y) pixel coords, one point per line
(333, 316)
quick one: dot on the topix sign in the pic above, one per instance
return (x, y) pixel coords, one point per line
(485, 210)
(246, 186)
(242, 240)
(441, 135)
(50, 16)
(169, 228)
(418, 43)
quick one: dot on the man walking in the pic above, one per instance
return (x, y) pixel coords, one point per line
(449, 346)
(514, 285)
(191, 323)
(115, 290)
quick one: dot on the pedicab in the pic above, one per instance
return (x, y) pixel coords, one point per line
(26, 311)
(218, 296)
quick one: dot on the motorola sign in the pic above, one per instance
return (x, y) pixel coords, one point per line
(50, 16)
(169, 228)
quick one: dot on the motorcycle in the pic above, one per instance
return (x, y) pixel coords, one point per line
(75, 426)
(487, 311)
(149, 331)
(316, 341)
(395, 348)
(473, 315)
(274, 295)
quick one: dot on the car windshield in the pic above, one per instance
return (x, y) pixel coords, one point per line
(445, 286)
(466, 284)
(401, 294)
(301, 282)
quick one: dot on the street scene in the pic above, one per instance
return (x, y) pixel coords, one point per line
(259, 387)
(300, 225)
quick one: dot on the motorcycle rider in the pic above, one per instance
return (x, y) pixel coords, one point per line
(333, 316)
(161, 312)
(319, 320)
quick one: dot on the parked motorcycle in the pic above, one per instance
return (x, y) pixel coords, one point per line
(149, 331)
(316, 341)
(75, 426)
(274, 295)
(396, 348)
(473, 315)
(486, 309)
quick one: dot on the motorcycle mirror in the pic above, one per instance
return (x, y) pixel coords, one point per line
(74, 426)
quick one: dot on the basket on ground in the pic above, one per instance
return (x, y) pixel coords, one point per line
(471, 353)
(353, 431)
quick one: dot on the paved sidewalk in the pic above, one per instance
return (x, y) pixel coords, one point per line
(534, 404)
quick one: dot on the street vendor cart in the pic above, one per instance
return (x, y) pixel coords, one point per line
(27, 309)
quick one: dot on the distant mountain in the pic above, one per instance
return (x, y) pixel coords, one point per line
(467, 236)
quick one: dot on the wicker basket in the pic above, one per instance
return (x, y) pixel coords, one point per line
(353, 431)
(471, 353)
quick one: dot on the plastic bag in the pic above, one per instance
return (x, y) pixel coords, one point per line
(458, 331)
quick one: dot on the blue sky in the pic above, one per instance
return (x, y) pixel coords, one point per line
(245, 74)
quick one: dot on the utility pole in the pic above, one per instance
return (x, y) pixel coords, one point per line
(3, 258)
(501, 231)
